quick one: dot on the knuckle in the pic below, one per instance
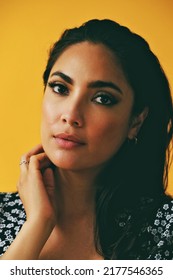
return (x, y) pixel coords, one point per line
(33, 159)
(33, 162)
(24, 156)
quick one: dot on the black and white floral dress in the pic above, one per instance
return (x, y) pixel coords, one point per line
(155, 240)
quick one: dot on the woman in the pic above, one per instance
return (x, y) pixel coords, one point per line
(95, 187)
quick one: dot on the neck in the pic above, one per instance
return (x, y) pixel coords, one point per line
(76, 192)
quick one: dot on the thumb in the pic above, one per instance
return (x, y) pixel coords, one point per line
(49, 179)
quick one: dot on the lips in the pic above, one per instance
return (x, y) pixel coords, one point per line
(68, 141)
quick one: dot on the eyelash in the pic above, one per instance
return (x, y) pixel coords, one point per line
(109, 98)
(53, 85)
(63, 90)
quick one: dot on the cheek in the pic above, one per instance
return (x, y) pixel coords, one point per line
(47, 120)
(109, 134)
(49, 113)
(107, 128)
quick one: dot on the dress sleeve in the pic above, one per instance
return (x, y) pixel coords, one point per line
(12, 217)
(162, 233)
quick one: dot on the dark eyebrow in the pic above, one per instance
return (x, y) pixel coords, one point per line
(103, 84)
(63, 76)
(94, 84)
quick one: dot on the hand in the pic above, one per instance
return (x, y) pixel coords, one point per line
(36, 186)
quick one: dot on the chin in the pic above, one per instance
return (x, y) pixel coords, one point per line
(66, 163)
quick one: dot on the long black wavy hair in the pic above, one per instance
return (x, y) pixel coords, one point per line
(136, 171)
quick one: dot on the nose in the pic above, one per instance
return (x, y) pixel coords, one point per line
(73, 115)
(71, 121)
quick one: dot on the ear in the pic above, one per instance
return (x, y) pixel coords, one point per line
(136, 124)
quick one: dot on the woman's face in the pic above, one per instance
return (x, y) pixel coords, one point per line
(87, 108)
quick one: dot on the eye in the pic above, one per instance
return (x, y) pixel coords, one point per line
(58, 88)
(105, 99)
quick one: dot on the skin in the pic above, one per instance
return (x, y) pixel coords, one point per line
(57, 186)
(80, 111)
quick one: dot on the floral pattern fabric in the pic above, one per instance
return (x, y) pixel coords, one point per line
(12, 217)
(154, 241)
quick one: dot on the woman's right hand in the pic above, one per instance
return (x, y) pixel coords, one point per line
(36, 186)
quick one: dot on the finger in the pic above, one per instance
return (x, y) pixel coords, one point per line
(34, 151)
(48, 178)
(24, 161)
(39, 161)
(49, 182)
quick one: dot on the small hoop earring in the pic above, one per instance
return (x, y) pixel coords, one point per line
(133, 140)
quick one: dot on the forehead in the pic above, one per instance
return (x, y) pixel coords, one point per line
(89, 56)
(85, 62)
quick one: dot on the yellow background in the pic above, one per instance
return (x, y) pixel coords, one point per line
(27, 29)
